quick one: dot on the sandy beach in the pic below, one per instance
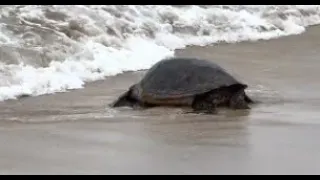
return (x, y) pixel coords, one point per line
(77, 133)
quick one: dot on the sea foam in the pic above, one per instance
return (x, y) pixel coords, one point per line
(48, 49)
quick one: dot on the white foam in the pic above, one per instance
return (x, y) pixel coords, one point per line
(87, 43)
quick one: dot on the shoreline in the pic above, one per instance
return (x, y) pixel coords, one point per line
(222, 43)
(76, 133)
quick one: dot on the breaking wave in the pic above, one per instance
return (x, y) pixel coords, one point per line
(48, 49)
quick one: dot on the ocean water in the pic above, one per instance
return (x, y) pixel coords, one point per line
(48, 49)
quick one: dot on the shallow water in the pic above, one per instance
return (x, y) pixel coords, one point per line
(76, 132)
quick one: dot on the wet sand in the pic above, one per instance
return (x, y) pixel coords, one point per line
(76, 132)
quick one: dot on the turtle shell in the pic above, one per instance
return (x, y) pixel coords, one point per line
(183, 77)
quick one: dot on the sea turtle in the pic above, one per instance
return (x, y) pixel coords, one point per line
(197, 83)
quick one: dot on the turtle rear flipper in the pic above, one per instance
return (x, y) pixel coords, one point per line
(126, 99)
(247, 99)
(123, 100)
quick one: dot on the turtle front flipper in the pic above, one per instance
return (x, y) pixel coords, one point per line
(239, 100)
(202, 105)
